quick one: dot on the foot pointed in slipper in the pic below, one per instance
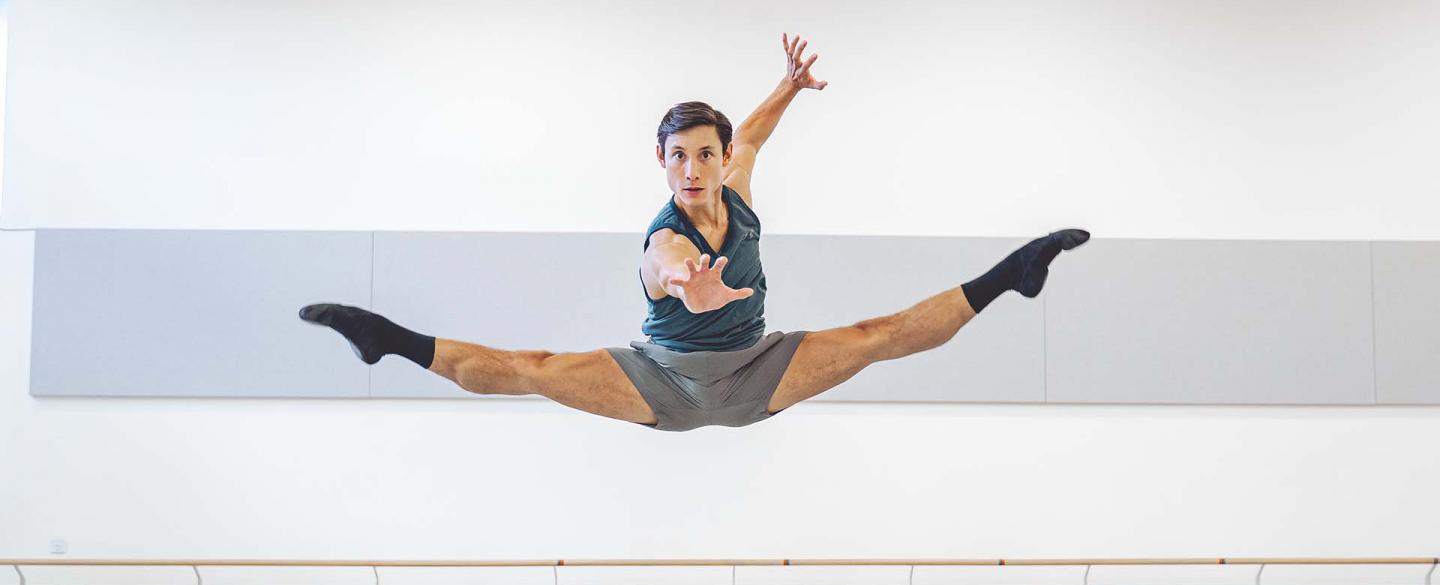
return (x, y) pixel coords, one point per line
(1040, 252)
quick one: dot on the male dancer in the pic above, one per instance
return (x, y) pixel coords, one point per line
(708, 360)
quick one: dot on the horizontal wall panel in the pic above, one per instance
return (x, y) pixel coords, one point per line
(1211, 322)
(193, 313)
(213, 313)
(1407, 322)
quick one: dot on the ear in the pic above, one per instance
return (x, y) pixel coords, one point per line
(660, 155)
(729, 152)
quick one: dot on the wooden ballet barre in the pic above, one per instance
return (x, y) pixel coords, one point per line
(724, 562)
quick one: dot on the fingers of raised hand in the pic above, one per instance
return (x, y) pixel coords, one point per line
(798, 50)
(744, 293)
(805, 69)
(704, 262)
(720, 263)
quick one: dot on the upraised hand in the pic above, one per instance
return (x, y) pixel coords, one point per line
(702, 289)
(798, 70)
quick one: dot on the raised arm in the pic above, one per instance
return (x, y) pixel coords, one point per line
(756, 128)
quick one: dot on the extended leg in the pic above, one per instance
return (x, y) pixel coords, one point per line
(826, 358)
(589, 381)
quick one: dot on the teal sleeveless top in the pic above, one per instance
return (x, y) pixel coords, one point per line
(735, 326)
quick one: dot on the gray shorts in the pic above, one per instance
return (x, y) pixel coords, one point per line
(703, 388)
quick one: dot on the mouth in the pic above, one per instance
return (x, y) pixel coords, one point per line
(694, 189)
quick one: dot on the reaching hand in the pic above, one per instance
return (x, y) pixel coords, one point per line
(798, 71)
(702, 289)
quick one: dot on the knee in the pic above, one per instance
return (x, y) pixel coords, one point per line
(534, 369)
(510, 373)
(888, 338)
(875, 339)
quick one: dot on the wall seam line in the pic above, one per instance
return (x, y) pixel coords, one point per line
(370, 372)
(1374, 343)
(1045, 348)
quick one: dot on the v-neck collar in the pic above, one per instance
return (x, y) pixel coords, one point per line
(729, 223)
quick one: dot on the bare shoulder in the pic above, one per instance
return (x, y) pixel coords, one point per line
(739, 180)
(742, 165)
(661, 236)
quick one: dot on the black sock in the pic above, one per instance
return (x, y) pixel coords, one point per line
(1024, 270)
(370, 335)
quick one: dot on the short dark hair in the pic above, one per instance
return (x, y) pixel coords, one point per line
(688, 115)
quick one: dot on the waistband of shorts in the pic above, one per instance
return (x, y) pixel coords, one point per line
(706, 365)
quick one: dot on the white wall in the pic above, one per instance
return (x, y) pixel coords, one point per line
(222, 128)
(1288, 119)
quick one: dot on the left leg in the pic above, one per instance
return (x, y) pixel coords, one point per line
(826, 358)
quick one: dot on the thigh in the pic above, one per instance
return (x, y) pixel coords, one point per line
(593, 382)
(823, 360)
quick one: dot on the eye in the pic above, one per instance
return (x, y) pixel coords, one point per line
(707, 154)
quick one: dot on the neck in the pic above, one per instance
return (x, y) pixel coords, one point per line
(705, 211)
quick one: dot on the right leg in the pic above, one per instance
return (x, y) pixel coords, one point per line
(589, 381)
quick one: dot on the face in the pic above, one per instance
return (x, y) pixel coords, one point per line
(694, 165)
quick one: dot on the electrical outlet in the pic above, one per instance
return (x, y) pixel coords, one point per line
(57, 547)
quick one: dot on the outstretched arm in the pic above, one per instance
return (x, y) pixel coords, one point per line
(678, 267)
(756, 128)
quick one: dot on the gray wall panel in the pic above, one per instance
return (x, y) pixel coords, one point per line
(212, 313)
(820, 282)
(1235, 322)
(1407, 322)
(193, 313)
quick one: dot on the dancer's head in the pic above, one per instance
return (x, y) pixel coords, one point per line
(694, 148)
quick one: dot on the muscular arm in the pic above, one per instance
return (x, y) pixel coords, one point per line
(753, 133)
(758, 126)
